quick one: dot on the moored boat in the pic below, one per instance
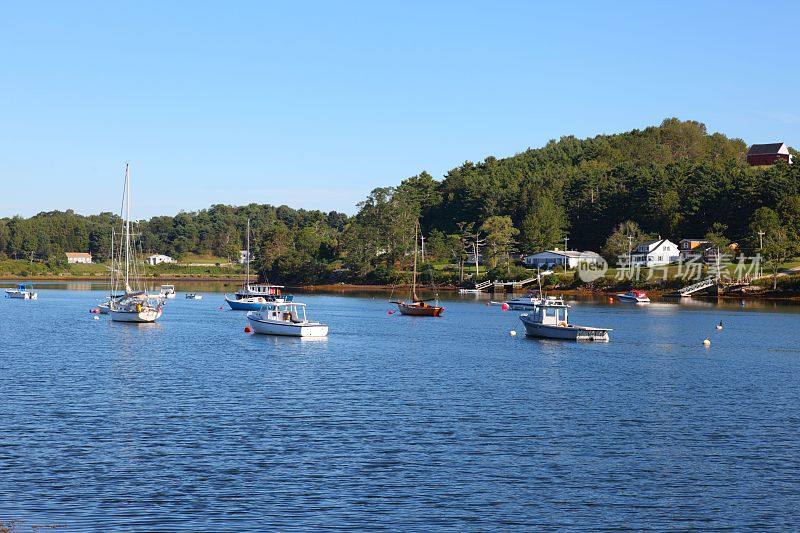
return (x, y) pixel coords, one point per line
(417, 306)
(252, 297)
(193, 296)
(635, 296)
(134, 305)
(22, 292)
(550, 320)
(285, 318)
(529, 301)
(167, 291)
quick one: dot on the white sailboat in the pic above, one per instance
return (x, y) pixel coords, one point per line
(135, 305)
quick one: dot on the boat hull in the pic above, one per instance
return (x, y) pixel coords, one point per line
(633, 299)
(22, 295)
(420, 310)
(139, 317)
(249, 304)
(521, 306)
(568, 332)
(103, 309)
(270, 327)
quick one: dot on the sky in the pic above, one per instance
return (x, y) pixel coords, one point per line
(314, 104)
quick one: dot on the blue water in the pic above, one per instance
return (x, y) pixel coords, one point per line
(396, 422)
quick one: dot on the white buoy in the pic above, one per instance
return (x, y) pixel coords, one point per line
(96, 317)
(719, 326)
(513, 333)
(706, 342)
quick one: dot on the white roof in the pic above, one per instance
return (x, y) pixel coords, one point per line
(567, 253)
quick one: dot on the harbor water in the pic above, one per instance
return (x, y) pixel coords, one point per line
(396, 422)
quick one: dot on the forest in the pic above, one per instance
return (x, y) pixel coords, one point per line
(673, 180)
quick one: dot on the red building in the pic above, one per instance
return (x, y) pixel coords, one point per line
(768, 154)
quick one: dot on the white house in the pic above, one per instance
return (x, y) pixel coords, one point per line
(245, 256)
(655, 253)
(157, 259)
(560, 258)
(78, 257)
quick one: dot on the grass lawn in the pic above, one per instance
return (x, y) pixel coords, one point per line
(203, 258)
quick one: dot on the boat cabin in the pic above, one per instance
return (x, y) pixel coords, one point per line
(270, 293)
(285, 312)
(551, 312)
(262, 289)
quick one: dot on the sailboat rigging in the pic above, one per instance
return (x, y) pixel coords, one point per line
(417, 306)
(134, 305)
(254, 297)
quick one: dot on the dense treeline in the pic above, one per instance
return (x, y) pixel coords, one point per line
(673, 180)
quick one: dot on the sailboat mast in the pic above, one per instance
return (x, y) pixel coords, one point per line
(247, 262)
(414, 282)
(127, 227)
(113, 270)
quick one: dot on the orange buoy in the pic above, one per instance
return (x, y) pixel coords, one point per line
(610, 300)
(248, 329)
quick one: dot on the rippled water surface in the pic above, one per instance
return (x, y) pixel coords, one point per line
(397, 422)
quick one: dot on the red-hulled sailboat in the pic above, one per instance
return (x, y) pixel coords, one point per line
(418, 306)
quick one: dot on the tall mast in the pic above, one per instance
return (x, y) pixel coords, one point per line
(247, 258)
(127, 227)
(113, 269)
(414, 282)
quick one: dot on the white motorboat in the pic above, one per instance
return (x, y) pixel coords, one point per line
(639, 297)
(529, 301)
(288, 318)
(22, 292)
(550, 320)
(167, 291)
(193, 296)
(134, 305)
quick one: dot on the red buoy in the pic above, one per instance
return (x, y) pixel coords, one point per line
(248, 329)
(504, 307)
(389, 312)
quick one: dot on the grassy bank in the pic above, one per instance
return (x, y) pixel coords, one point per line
(22, 269)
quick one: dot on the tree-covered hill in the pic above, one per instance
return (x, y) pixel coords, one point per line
(674, 180)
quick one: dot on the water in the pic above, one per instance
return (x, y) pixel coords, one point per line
(395, 422)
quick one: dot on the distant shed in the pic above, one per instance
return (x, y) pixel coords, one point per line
(768, 154)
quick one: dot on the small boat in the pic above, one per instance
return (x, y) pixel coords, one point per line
(469, 291)
(134, 305)
(22, 292)
(529, 301)
(193, 296)
(635, 296)
(550, 320)
(287, 318)
(167, 291)
(252, 297)
(417, 306)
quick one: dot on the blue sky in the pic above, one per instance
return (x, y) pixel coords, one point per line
(314, 104)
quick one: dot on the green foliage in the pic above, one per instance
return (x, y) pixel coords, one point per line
(500, 233)
(544, 227)
(673, 180)
(622, 240)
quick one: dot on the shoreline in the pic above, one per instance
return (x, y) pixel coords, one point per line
(351, 287)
